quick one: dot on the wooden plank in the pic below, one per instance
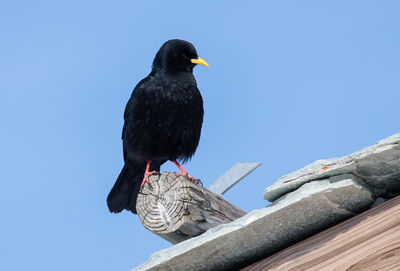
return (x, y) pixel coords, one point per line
(369, 241)
(175, 208)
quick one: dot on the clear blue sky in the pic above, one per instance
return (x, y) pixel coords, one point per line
(290, 82)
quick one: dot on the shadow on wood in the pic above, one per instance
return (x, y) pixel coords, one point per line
(177, 209)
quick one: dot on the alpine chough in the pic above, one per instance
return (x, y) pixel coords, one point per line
(163, 120)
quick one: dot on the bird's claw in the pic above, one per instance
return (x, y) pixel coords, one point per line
(193, 179)
(197, 181)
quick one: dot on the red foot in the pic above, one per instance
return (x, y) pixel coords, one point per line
(147, 173)
(185, 173)
(146, 177)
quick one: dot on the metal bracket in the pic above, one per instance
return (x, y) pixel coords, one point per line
(233, 176)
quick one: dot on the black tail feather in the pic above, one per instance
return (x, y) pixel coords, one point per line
(124, 193)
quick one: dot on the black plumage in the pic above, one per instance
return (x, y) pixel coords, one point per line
(163, 120)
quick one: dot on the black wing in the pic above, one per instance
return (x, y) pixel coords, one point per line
(131, 107)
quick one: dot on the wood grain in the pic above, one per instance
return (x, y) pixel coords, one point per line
(369, 241)
(175, 208)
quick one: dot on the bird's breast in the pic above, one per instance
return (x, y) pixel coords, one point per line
(166, 120)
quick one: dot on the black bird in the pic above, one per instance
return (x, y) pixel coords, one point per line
(163, 120)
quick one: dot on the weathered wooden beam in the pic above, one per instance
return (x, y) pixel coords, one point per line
(177, 209)
(367, 242)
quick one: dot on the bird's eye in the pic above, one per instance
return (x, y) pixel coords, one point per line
(184, 56)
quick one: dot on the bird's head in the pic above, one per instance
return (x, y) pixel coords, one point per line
(177, 55)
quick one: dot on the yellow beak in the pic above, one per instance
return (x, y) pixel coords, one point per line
(200, 61)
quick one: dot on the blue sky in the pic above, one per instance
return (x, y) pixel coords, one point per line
(290, 82)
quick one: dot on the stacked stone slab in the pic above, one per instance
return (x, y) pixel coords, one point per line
(376, 167)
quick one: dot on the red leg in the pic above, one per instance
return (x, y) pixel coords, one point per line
(184, 172)
(147, 173)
